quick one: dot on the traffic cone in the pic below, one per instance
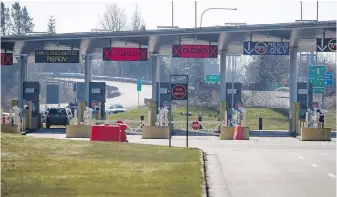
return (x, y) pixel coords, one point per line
(238, 133)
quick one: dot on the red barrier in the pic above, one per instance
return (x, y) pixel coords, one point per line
(3, 119)
(105, 133)
(238, 133)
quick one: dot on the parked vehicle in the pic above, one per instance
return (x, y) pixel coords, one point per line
(57, 116)
(114, 109)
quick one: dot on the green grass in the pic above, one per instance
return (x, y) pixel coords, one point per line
(33, 167)
(273, 119)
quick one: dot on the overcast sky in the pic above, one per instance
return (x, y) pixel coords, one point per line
(82, 16)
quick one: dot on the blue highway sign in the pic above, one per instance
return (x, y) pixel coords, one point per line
(328, 78)
(265, 48)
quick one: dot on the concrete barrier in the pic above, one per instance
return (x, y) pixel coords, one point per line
(227, 133)
(315, 134)
(7, 128)
(154, 132)
(78, 131)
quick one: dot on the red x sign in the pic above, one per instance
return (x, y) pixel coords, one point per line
(213, 51)
(175, 50)
(195, 51)
(124, 54)
(6, 59)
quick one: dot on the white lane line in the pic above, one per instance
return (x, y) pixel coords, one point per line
(314, 165)
(300, 157)
(331, 175)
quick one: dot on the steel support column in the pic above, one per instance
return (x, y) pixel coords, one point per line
(293, 86)
(222, 82)
(87, 76)
(22, 77)
(154, 74)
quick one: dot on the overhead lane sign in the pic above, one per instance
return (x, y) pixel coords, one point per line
(6, 59)
(57, 56)
(195, 51)
(326, 44)
(124, 54)
(265, 48)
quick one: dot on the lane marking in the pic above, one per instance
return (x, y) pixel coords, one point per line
(331, 175)
(300, 157)
(314, 165)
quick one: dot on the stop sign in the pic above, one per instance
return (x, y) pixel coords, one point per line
(179, 92)
(119, 122)
(93, 104)
(195, 125)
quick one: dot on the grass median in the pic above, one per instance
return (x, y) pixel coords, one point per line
(273, 119)
(33, 167)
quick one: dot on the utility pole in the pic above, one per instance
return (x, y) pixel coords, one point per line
(317, 11)
(195, 14)
(172, 14)
(301, 10)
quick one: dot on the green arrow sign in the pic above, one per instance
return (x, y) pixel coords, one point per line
(317, 78)
(212, 78)
(139, 85)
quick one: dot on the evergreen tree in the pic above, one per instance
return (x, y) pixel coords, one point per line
(16, 17)
(52, 25)
(27, 22)
(5, 20)
(22, 22)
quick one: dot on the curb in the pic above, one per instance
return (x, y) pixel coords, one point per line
(203, 160)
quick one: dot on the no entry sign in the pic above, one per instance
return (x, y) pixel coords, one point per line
(195, 125)
(93, 103)
(179, 92)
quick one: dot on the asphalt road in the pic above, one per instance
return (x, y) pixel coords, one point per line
(265, 167)
(129, 94)
(260, 167)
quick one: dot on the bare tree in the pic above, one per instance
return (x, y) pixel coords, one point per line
(114, 18)
(136, 19)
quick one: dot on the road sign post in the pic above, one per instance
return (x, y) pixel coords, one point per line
(179, 92)
(139, 88)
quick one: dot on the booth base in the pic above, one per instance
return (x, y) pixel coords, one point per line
(227, 133)
(78, 131)
(315, 134)
(7, 128)
(153, 132)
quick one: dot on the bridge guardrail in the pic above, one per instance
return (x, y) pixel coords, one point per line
(95, 77)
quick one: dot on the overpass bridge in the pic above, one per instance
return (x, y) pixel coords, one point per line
(297, 36)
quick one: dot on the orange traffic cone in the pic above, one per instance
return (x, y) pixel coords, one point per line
(238, 133)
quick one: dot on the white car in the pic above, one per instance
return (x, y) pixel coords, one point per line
(114, 109)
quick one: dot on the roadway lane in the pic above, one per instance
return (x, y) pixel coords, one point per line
(264, 167)
(129, 94)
